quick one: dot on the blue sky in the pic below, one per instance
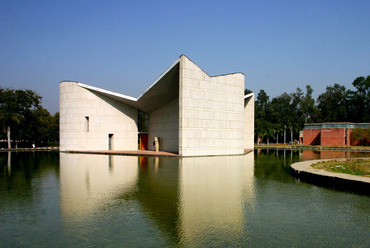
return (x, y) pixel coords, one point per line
(124, 46)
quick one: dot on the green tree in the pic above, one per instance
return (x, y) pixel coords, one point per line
(359, 100)
(262, 112)
(53, 128)
(282, 111)
(270, 130)
(259, 130)
(307, 107)
(332, 104)
(15, 107)
(278, 129)
(360, 136)
(296, 120)
(247, 91)
(262, 104)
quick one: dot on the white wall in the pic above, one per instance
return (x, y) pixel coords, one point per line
(164, 123)
(249, 123)
(106, 116)
(210, 117)
(211, 112)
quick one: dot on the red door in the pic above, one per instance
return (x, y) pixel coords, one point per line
(143, 142)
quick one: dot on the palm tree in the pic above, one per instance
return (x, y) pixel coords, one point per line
(269, 131)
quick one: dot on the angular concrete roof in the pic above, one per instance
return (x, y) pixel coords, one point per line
(163, 90)
(132, 101)
(248, 95)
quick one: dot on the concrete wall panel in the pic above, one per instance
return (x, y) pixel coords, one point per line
(164, 123)
(211, 117)
(106, 116)
(249, 123)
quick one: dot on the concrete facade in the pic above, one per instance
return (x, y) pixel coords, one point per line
(192, 113)
(211, 112)
(164, 123)
(87, 119)
(249, 125)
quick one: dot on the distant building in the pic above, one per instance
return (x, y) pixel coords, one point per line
(333, 133)
(188, 111)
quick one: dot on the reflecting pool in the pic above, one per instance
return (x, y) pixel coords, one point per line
(51, 199)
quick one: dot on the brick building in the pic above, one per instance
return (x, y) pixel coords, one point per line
(333, 133)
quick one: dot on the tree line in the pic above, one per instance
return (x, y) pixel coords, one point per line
(24, 121)
(285, 115)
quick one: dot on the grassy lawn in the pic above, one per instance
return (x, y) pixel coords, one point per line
(360, 167)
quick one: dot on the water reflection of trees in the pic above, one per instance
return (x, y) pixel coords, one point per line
(17, 178)
(29, 199)
(275, 164)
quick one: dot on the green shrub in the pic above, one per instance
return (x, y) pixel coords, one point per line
(360, 136)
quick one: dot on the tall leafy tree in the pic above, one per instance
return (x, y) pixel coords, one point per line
(332, 104)
(262, 111)
(282, 112)
(53, 128)
(307, 107)
(296, 120)
(15, 107)
(359, 100)
(262, 104)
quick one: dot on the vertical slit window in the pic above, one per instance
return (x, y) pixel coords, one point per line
(87, 123)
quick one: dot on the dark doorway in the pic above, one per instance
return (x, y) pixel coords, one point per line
(143, 122)
(110, 141)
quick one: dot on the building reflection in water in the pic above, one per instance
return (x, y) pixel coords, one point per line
(214, 192)
(310, 155)
(89, 181)
(184, 198)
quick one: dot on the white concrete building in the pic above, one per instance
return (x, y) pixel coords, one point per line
(192, 113)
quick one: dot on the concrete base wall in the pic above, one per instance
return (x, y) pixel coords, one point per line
(164, 123)
(106, 116)
(211, 112)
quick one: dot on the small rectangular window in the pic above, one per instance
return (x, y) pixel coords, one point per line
(87, 123)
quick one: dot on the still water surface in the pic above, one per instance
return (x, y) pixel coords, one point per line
(49, 199)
